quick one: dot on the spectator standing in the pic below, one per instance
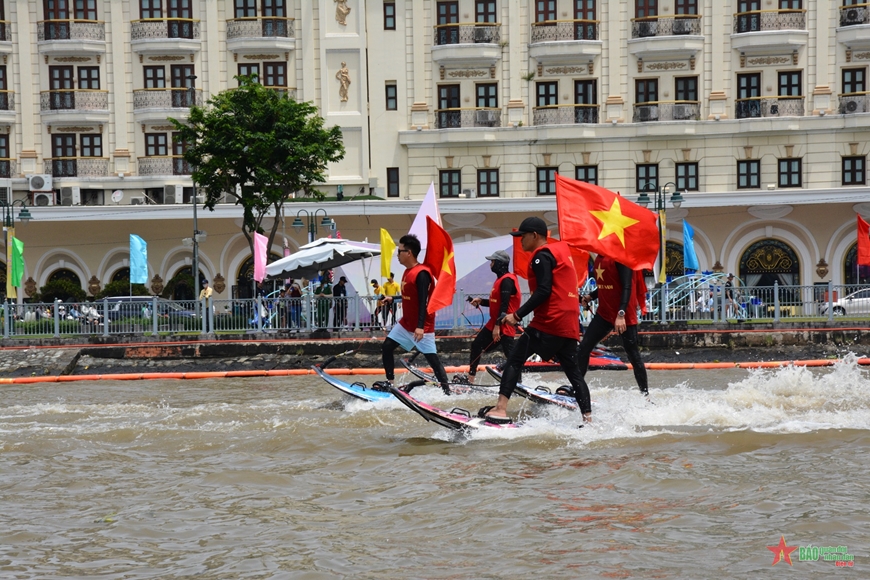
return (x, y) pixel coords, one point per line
(391, 288)
(339, 293)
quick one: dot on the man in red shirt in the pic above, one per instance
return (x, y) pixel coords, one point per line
(555, 328)
(417, 326)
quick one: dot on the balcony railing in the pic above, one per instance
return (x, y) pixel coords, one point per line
(7, 100)
(168, 165)
(851, 103)
(260, 27)
(166, 98)
(5, 35)
(468, 33)
(554, 30)
(769, 107)
(689, 24)
(564, 114)
(760, 20)
(652, 111)
(463, 118)
(69, 29)
(77, 166)
(164, 28)
(8, 167)
(854, 14)
(74, 100)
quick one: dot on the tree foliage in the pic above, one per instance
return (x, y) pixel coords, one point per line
(257, 146)
(60, 290)
(121, 288)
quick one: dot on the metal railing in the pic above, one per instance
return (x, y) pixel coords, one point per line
(851, 103)
(164, 165)
(555, 30)
(468, 33)
(854, 14)
(761, 20)
(684, 24)
(564, 114)
(8, 166)
(164, 28)
(5, 31)
(76, 166)
(769, 107)
(7, 100)
(260, 27)
(666, 111)
(74, 100)
(70, 29)
(467, 117)
(166, 98)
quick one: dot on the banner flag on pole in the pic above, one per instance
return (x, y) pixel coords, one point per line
(863, 242)
(690, 258)
(16, 274)
(261, 244)
(388, 246)
(138, 260)
(429, 208)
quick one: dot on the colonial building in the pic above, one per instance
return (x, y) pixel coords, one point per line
(757, 111)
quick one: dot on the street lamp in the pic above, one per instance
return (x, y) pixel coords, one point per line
(196, 232)
(660, 206)
(325, 222)
(9, 224)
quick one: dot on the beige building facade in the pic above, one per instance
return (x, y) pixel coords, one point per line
(757, 110)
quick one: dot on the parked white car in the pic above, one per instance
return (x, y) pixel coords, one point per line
(855, 303)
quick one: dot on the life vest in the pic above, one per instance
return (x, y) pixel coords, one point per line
(610, 292)
(560, 314)
(494, 304)
(410, 300)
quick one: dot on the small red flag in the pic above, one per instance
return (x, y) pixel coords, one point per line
(439, 259)
(863, 242)
(597, 220)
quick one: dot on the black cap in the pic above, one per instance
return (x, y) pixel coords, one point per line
(531, 224)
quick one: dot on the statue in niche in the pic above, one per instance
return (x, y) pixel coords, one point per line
(341, 12)
(343, 76)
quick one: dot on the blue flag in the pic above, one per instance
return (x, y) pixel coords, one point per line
(690, 258)
(138, 260)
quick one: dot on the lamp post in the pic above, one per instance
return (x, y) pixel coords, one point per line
(660, 206)
(9, 224)
(325, 222)
(196, 232)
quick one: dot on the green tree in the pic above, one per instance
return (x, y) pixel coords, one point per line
(257, 146)
(121, 288)
(60, 290)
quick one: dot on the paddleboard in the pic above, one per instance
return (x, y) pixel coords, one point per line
(456, 419)
(538, 395)
(358, 390)
(455, 388)
(602, 359)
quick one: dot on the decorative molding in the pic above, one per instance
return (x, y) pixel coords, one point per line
(75, 129)
(467, 74)
(863, 209)
(165, 58)
(72, 59)
(662, 66)
(156, 285)
(768, 60)
(341, 11)
(219, 283)
(822, 268)
(566, 70)
(464, 220)
(30, 286)
(769, 212)
(861, 56)
(261, 56)
(163, 127)
(94, 286)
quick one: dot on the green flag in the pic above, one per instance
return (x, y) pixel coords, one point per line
(17, 271)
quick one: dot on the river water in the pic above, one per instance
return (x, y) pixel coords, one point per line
(285, 478)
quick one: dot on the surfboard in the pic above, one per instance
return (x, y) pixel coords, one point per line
(457, 419)
(602, 359)
(455, 388)
(541, 395)
(358, 390)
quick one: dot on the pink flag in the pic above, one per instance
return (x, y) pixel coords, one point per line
(260, 254)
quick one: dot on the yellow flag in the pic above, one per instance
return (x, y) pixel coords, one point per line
(388, 246)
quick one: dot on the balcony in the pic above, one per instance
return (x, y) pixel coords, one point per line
(5, 37)
(666, 37)
(854, 30)
(769, 32)
(261, 33)
(165, 36)
(467, 118)
(651, 112)
(168, 165)
(564, 41)
(8, 167)
(160, 104)
(64, 37)
(853, 103)
(564, 114)
(7, 106)
(74, 106)
(77, 166)
(469, 44)
(756, 107)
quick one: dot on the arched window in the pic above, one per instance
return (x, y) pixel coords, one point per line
(768, 261)
(65, 274)
(121, 274)
(181, 284)
(853, 274)
(244, 281)
(674, 259)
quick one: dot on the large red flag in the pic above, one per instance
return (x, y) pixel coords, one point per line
(521, 260)
(439, 258)
(597, 220)
(863, 242)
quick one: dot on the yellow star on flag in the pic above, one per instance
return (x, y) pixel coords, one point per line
(445, 265)
(613, 222)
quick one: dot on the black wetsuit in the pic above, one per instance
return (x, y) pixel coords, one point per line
(483, 341)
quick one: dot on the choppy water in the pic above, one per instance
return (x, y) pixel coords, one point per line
(282, 478)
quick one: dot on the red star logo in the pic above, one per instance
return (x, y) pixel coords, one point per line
(782, 552)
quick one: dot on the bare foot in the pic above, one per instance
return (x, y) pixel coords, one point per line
(587, 417)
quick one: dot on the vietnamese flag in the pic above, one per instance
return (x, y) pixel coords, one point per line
(863, 242)
(439, 259)
(522, 258)
(597, 220)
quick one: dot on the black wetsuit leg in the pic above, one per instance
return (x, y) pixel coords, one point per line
(387, 350)
(514, 367)
(632, 353)
(597, 330)
(481, 344)
(570, 366)
(507, 345)
(438, 370)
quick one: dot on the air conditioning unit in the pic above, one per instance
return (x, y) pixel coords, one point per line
(645, 29)
(851, 16)
(43, 198)
(774, 110)
(137, 201)
(6, 191)
(70, 196)
(200, 198)
(469, 193)
(647, 114)
(852, 106)
(39, 182)
(683, 112)
(486, 118)
(682, 26)
(173, 194)
(483, 34)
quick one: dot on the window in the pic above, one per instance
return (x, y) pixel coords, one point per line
(487, 183)
(687, 176)
(449, 113)
(4, 96)
(450, 182)
(92, 145)
(749, 174)
(155, 77)
(274, 74)
(686, 88)
(586, 29)
(179, 80)
(246, 8)
(854, 80)
(687, 7)
(389, 15)
(150, 9)
(789, 4)
(548, 94)
(587, 173)
(85, 9)
(646, 90)
(63, 150)
(250, 70)
(179, 148)
(392, 182)
(5, 162)
(485, 11)
(645, 8)
(89, 77)
(547, 180)
(790, 84)
(647, 177)
(487, 95)
(545, 10)
(448, 13)
(392, 97)
(853, 171)
(748, 91)
(790, 173)
(585, 93)
(155, 145)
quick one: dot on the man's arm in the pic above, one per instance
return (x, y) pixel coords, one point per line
(506, 289)
(542, 266)
(423, 281)
(626, 277)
